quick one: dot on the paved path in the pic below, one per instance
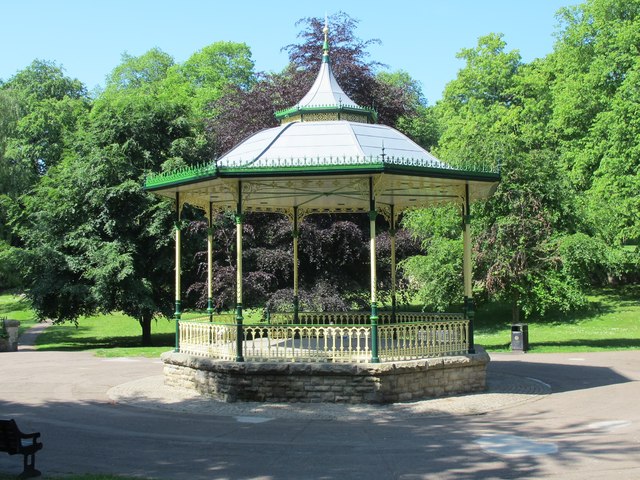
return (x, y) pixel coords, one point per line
(546, 416)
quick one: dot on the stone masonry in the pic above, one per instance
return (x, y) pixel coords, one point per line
(10, 342)
(388, 382)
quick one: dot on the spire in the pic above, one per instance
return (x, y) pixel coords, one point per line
(326, 100)
(325, 46)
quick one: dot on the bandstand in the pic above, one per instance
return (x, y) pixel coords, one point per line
(327, 156)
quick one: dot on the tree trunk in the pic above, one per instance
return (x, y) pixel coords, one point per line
(515, 311)
(145, 323)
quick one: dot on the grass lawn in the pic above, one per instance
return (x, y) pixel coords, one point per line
(114, 335)
(16, 307)
(611, 322)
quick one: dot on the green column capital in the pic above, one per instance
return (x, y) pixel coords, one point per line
(239, 218)
(295, 233)
(373, 215)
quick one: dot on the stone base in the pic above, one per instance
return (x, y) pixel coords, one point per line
(10, 343)
(327, 382)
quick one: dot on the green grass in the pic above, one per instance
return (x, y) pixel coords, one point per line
(611, 321)
(16, 307)
(114, 335)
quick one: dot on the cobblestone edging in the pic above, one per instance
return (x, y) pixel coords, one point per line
(327, 382)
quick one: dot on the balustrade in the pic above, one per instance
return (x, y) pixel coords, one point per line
(327, 337)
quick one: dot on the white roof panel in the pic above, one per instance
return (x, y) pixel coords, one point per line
(326, 91)
(325, 140)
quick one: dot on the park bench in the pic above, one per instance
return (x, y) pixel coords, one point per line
(13, 441)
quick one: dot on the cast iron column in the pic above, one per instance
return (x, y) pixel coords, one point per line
(374, 280)
(392, 237)
(296, 235)
(210, 265)
(239, 329)
(467, 269)
(178, 311)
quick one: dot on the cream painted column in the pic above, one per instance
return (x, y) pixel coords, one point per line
(468, 268)
(374, 277)
(392, 237)
(178, 286)
(239, 318)
(296, 235)
(210, 264)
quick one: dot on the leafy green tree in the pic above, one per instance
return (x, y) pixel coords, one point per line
(40, 109)
(416, 119)
(49, 106)
(597, 48)
(210, 72)
(595, 112)
(94, 240)
(96, 243)
(496, 110)
(614, 194)
(435, 275)
(13, 177)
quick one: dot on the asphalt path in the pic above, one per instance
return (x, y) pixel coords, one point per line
(582, 423)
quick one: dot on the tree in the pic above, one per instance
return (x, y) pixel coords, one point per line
(49, 106)
(596, 109)
(211, 71)
(435, 272)
(596, 49)
(415, 119)
(94, 242)
(40, 109)
(496, 110)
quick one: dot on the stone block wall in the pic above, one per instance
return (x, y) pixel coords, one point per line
(10, 342)
(327, 382)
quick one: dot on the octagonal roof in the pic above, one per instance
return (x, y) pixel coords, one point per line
(326, 156)
(325, 143)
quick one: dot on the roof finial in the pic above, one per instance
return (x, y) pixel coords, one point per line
(325, 47)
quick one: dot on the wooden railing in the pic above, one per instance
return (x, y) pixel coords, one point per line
(411, 336)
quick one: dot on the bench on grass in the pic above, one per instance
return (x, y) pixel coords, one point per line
(14, 442)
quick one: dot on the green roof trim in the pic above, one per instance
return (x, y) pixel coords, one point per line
(290, 112)
(314, 166)
(181, 175)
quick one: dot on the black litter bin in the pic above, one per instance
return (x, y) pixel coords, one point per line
(519, 337)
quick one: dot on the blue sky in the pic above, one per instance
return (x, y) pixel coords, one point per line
(88, 37)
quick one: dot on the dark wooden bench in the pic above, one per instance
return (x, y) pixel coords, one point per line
(14, 442)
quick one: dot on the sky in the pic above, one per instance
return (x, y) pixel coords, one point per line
(88, 37)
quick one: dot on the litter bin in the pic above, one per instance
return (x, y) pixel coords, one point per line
(519, 337)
